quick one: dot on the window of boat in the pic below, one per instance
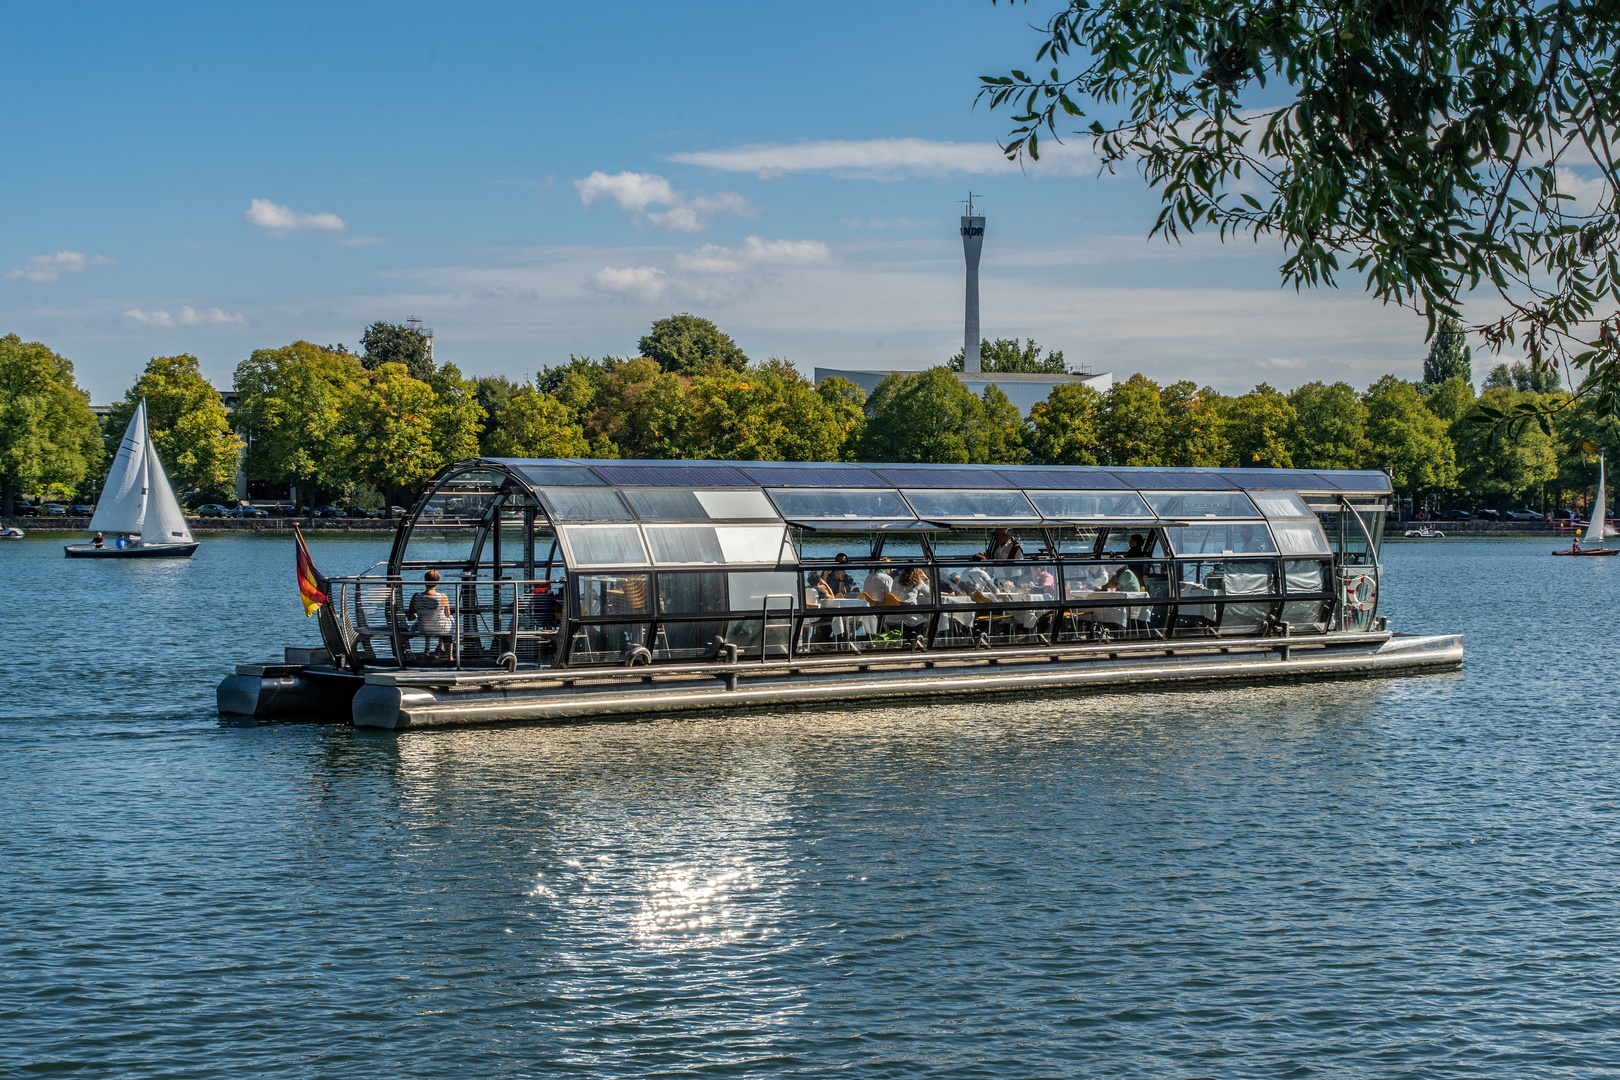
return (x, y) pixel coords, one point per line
(1222, 538)
(1304, 576)
(1300, 537)
(968, 505)
(1130, 539)
(1181, 505)
(1089, 504)
(611, 594)
(604, 545)
(675, 504)
(820, 545)
(1204, 606)
(584, 504)
(1014, 582)
(1280, 504)
(1077, 542)
(688, 544)
(820, 504)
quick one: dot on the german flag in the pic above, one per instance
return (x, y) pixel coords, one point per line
(312, 584)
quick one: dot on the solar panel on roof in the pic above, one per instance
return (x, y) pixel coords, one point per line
(675, 475)
(1076, 479)
(1361, 480)
(943, 478)
(1174, 480)
(559, 475)
(813, 474)
(1270, 479)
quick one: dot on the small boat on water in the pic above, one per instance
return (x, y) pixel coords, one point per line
(557, 590)
(137, 508)
(11, 532)
(1595, 530)
(1424, 533)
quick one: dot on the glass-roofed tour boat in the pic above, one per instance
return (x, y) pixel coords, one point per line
(572, 589)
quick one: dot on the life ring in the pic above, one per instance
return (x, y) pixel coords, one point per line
(1354, 599)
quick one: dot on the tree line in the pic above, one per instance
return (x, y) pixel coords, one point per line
(364, 427)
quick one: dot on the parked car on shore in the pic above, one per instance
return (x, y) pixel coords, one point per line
(24, 509)
(326, 512)
(282, 510)
(81, 510)
(52, 510)
(1521, 515)
(361, 512)
(211, 510)
(246, 512)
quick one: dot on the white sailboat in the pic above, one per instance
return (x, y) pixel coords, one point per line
(1594, 528)
(138, 515)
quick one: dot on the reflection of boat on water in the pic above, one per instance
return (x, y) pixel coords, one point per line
(137, 507)
(576, 589)
(1595, 530)
(1424, 533)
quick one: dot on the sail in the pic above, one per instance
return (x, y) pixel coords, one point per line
(122, 506)
(1594, 530)
(165, 524)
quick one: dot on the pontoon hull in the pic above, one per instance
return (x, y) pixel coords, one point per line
(394, 701)
(288, 692)
(145, 551)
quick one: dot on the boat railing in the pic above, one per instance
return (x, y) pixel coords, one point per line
(512, 623)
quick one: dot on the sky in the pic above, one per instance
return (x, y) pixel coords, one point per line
(541, 180)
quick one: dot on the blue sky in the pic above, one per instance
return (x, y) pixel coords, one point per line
(538, 180)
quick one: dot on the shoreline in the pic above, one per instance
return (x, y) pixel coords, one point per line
(1392, 530)
(217, 525)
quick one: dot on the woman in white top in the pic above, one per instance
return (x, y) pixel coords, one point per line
(913, 589)
(431, 609)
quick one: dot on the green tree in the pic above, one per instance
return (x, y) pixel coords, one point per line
(1194, 435)
(689, 345)
(1330, 426)
(1418, 148)
(1450, 356)
(1406, 438)
(294, 404)
(847, 404)
(1001, 433)
(188, 424)
(1257, 429)
(1132, 427)
(928, 416)
(770, 412)
(1005, 355)
(48, 435)
(533, 424)
(493, 393)
(398, 343)
(1496, 462)
(405, 430)
(1451, 400)
(638, 410)
(1064, 427)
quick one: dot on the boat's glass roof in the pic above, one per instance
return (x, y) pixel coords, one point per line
(834, 474)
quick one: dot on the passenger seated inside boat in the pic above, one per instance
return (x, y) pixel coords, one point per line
(1003, 548)
(431, 610)
(877, 585)
(1124, 580)
(838, 582)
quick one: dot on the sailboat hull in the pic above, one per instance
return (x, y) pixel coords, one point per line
(145, 551)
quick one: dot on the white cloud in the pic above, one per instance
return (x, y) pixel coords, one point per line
(52, 267)
(635, 192)
(186, 316)
(714, 259)
(641, 282)
(884, 159)
(280, 220)
(1587, 192)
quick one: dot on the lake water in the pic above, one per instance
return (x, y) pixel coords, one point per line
(1400, 877)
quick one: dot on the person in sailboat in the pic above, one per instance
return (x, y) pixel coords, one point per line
(99, 541)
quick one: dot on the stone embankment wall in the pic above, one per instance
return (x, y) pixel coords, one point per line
(219, 525)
